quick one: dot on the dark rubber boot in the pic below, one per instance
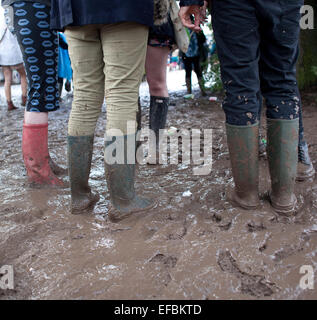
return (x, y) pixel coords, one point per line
(120, 181)
(36, 156)
(158, 115)
(139, 122)
(79, 163)
(305, 168)
(189, 85)
(202, 87)
(283, 157)
(243, 146)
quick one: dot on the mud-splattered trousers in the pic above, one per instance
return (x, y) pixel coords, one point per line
(257, 43)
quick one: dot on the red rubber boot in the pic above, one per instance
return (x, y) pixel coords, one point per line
(36, 156)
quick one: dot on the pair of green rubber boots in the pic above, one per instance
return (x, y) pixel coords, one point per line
(120, 181)
(282, 150)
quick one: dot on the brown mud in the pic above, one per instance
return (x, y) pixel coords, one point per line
(195, 247)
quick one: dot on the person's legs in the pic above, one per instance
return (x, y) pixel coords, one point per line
(7, 72)
(86, 54)
(39, 49)
(236, 32)
(198, 71)
(279, 53)
(188, 64)
(124, 48)
(155, 68)
(24, 84)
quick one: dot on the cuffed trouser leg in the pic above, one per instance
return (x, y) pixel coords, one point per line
(279, 53)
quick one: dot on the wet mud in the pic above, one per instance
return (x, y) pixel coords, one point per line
(193, 245)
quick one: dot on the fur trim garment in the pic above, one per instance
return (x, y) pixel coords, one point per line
(161, 9)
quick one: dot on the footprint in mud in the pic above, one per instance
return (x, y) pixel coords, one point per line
(148, 232)
(178, 233)
(254, 285)
(254, 226)
(162, 266)
(291, 249)
(224, 223)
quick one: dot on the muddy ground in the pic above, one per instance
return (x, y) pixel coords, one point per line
(196, 247)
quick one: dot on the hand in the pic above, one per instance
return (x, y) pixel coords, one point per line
(186, 12)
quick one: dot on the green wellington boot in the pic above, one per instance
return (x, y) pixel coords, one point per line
(283, 156)
(243, 147)
(120, 181)
(79, 163)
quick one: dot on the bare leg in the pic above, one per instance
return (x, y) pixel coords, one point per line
(7, 72)
(155, 67)
(35, 117)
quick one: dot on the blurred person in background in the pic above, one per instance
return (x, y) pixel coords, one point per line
(11, 59)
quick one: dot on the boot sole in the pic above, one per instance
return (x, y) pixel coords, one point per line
(117, 216)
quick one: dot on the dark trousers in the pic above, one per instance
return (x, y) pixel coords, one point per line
(257, 43)
(191, 63)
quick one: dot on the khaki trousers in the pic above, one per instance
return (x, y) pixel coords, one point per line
(108, 61)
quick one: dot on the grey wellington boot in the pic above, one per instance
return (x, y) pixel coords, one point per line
(282, 150)
(243, 147)
(120, 180)
(79, 163)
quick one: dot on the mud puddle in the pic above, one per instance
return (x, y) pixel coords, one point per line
(196, 246)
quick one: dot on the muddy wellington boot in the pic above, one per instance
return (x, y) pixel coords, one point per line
(120, 181)
(158, 115)
(282, 139)
(189, 85)
(36, 156)
(243, 147)
(305, 168)
(79, 155)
